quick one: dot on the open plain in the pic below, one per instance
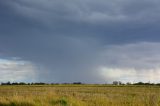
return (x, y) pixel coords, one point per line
(79, 95)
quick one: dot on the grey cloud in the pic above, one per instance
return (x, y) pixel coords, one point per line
(90, 10)
(138, 55)
(112, 21)
(59, 58)
(66, 39)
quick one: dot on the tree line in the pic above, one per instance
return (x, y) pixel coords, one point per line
(137, 83)
(36, 83)
(76, 83)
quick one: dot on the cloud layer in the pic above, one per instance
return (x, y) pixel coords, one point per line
(132, 62)
(90, 41)
(17, 70)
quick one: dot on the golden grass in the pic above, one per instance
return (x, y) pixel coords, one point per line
(79, 95)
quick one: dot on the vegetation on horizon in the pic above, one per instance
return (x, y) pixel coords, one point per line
(76, 83)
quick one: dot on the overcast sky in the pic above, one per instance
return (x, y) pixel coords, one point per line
(91, 41)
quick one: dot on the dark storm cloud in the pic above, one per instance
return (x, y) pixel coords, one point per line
(112, 19)
(66, 38)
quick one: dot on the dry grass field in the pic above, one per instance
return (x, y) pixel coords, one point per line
(79, 95)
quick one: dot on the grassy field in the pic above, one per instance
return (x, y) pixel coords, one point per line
(79, 95)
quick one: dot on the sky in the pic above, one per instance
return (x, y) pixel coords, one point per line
(90, 41)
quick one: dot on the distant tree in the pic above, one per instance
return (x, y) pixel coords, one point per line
(139, 83)
(77, 82)
(38, 83)
(120, 83)
(115, 82)
(7, 83)
(158, 84)
(15, 83)
(22, 83)
(128, 83)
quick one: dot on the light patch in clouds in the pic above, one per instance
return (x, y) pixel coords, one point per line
(132, 62)
(131, 75)
(17, 70)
